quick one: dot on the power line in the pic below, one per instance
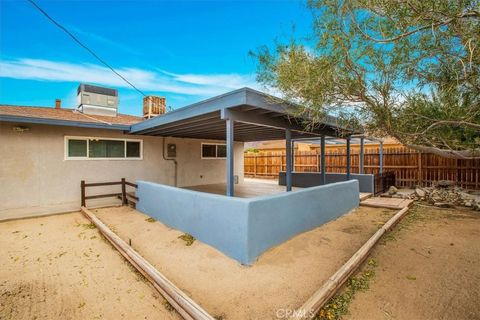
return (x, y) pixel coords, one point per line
(84, 46)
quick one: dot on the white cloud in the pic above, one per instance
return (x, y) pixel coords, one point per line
(147, 80)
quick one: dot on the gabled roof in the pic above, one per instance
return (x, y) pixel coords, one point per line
(65, 117)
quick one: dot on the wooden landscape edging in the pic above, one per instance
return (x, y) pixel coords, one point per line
(185, 306)
(310, 308)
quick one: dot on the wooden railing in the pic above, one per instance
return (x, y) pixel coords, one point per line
(123, 195)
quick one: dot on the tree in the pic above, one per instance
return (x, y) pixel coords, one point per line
(409, 69)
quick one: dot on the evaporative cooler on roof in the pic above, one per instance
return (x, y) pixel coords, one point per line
(97, 100)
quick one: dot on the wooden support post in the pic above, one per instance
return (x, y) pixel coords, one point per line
(293, 153)
(318, 161)
(281, 162)
(82, 193)
(254, 165)
(288, 171)
(420, 173)
(362, 156)
(124, 193)
(380, 155)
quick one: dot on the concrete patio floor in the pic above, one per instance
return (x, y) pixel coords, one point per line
(248, 189)
(252, 188)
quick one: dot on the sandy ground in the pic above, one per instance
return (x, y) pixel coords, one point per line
(429, 268)
(58, 268)
(283, 277)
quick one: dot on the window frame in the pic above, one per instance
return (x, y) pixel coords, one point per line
(88, 138)
(216, 144)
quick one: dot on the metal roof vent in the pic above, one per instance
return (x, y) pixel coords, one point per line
(97, 100)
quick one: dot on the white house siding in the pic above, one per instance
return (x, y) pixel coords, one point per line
(36, 179)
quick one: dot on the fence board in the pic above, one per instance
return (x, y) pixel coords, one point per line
(411, 167)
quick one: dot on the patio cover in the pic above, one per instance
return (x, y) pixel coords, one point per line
(257, 117)
(241, 115)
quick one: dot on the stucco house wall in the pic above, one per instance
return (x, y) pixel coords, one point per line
(36, 179)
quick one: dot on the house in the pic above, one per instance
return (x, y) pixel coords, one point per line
(46, 152)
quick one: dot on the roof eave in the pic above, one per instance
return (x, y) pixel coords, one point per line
(68, 123)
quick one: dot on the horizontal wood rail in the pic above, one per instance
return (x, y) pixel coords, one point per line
(123, 195)
(131, 184)
(104, 196)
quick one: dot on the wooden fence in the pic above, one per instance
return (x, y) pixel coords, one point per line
(123, 195)
(411, 168)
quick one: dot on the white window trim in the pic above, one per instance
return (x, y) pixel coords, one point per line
(216, 150)
(87, 138)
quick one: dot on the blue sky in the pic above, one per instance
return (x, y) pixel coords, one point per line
(183, 50)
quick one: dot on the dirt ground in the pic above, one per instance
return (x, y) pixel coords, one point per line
(58, 267)
(61, 267)
(428, 268)
(282, 278)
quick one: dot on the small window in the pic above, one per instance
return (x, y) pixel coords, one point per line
(133, 149)
(98, 148)
(214, 151)
(77, 148)
(221, 151)
(106, 149)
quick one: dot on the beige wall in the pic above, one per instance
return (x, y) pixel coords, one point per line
(36, 179)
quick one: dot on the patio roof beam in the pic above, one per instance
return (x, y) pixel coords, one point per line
(183, 123)
(220, 126)
(262, 120)
(193, 124)
(215, 127)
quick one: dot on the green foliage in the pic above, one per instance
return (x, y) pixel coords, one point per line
(407, 69)
(188, 238)
(337, 306)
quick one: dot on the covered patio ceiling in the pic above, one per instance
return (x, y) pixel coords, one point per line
(257, 117)
(242, 115)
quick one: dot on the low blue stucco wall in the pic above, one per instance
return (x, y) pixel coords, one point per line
(219, 221)
(277, 218)
(311, 179)
(245, 228)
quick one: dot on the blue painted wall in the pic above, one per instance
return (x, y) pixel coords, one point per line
(277, 218)
(245, 228)
(311, 179)
(217, 220)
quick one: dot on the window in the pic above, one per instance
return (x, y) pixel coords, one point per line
(214, 151)
(83, 148)
(77, 148)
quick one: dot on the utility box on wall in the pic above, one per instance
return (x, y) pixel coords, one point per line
(171, 150)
